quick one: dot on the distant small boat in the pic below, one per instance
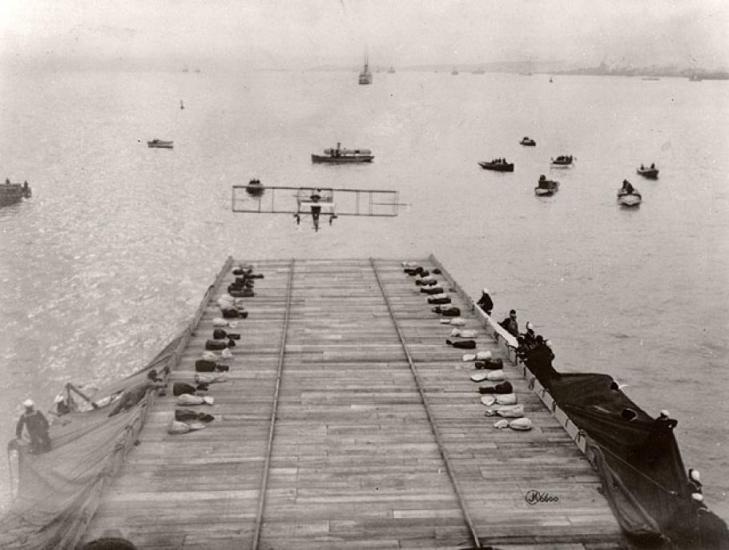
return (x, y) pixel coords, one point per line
(160, 144)
(497, 165)
(338, 155)
(630, 198)
(529, 142)
(182, 105)
(391, 70)
(550, 80)
(479, 71)
(454, 71)
(651, 173)
(365, 77)
(255, 188)
(11, 193)
(695, 78)
(562, 161)
(546, 187)
(651, 78)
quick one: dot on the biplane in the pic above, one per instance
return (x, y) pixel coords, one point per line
(299, 202)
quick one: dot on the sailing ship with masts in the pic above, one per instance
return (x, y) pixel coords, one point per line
(365, 77)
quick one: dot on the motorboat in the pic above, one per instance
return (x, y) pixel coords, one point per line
(529, 142)
(650, 173)
(563, 161)
(545, 187)
(339, 155)
(160, 144)
(497, 165)
(11, 193)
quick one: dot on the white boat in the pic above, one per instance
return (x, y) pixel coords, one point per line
(629, 199)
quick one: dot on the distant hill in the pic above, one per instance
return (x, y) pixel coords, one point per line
(668, 71)
(548, 67)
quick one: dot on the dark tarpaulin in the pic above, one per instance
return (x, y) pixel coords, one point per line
(637, 457)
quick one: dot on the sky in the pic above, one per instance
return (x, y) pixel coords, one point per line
(305, 33)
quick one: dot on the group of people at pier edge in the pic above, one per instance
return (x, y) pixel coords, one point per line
(532, 349)
(496, 392)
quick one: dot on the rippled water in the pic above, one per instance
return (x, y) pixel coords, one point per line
(112, 254)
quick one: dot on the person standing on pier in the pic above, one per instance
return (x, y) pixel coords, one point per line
(37, 426)
(485, 302)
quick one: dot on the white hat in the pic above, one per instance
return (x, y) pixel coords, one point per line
(697, 497)
(695, 475)
(485, 290)
(28, 403)
(59, 398)
(664, 412)
(548, 343)
(529, 325)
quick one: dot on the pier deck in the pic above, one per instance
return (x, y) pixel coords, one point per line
(367, 449)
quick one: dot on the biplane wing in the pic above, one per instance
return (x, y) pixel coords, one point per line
(260, 199)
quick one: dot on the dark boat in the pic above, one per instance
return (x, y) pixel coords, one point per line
(160, 144)
(497, 165)
(529, 142)
(650, 173)
(343, 156)
(255, 188)
(11, 193)
(545, 187)
(365, 77)
(563, 161)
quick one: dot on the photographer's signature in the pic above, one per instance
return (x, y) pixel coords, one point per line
(537, 497)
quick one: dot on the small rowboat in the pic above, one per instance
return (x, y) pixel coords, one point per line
(529, 142)
(650, 173)
(160, 144)
(545, 187)
(562, 161)
(629, 200)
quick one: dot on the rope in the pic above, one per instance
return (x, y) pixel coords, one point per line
(428, 412)
(641, 474)
(274, 411)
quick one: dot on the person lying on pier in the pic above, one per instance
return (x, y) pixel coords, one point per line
(37, 427)
(188, 415)
(178, 388)
(131, 396)
(464, 333)
(439, 300)
(209, 379)
(485, 302)
(233, 313)
(448, 311)
(432, 290)
(220, 334)
(462, 344)
(510, 324)
(502, 387)
(219, 344)
(426, 281)
(209, 365)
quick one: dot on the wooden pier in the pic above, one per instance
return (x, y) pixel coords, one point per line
(347, 422)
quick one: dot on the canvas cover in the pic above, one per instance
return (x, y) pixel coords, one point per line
(59, 491)
(638, 459)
